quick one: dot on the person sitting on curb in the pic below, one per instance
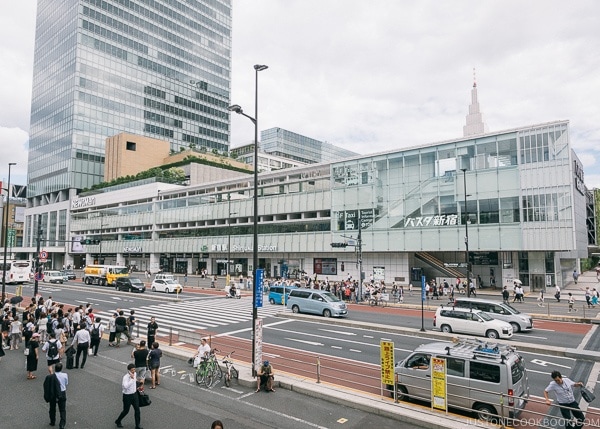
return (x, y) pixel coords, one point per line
(265, 377)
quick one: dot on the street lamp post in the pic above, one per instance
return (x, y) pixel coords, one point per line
(228, 274)
(238, 109)
(464, 170)
(5, 233)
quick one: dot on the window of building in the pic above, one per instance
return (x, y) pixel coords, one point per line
(489, 211)
(131, 146)
(509, 210)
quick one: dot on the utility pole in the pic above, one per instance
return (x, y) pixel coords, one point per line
(359, 261)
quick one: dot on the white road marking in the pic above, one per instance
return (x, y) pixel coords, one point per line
(356, 351)
(312, 343)
(338, 332)
(546, 363)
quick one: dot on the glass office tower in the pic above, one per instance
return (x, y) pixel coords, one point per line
(287, 144)
(158, 68)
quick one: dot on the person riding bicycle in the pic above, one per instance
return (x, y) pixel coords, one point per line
(203, 353)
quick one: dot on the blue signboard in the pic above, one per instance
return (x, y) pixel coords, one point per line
(258, 288)
(423, 293)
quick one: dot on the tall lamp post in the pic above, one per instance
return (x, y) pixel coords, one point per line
(238, 109)
(228, 274)
(464, 170)
(5, 233)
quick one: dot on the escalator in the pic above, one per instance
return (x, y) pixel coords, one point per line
(434, 262)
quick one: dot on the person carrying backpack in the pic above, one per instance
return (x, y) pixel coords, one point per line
(53, 348)
(96, 335)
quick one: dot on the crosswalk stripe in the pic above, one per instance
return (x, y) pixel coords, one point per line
(196, 315)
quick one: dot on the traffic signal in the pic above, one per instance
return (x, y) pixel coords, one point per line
(90, 241)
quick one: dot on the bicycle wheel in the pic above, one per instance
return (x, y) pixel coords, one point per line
(372, 302)
(200, 375)
(208, 379)
(234, 373)
(218, 372)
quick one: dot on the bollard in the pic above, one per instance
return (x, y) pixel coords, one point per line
(170, 335)
(318, 369)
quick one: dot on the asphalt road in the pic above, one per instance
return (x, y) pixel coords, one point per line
(320, 338)
(94, 400)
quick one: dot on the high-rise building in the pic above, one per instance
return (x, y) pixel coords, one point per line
(157, 68)
(287, 144)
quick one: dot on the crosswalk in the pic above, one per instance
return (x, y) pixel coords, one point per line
(198, 314)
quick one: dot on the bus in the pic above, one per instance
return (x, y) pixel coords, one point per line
(17, 272)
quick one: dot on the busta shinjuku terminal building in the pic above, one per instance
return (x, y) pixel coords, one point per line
(525, 213)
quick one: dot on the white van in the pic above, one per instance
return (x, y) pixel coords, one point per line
(472, 322)
(498, 310)
(477, 374)
(53, 277)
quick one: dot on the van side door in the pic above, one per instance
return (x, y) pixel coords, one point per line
(457, 381)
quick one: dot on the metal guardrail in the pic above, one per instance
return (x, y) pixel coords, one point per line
(526, 417)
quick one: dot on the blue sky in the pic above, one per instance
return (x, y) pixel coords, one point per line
(379, 75)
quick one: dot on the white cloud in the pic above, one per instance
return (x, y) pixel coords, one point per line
(373, 76)
(14, 148)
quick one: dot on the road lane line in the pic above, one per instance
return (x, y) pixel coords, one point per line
(312, 343)
(587, 337)
(239, 331)
(354, 350)
(531, 336)
(338, 332)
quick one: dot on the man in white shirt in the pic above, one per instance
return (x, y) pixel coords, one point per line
(203, 352)
(82, 340)
(563, 389)
(130, 397)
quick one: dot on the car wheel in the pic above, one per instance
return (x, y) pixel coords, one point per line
(446, 328)
(516, 327)
(326, 313)
(271, 301)
(295, 309)
(486, 413)
(153, 289)
(492, 334)
(167, 290)
(402, 393)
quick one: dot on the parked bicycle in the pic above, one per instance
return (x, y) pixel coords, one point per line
(231, 373)
(208, 370)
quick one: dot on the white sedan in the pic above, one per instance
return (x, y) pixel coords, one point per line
(166, 286)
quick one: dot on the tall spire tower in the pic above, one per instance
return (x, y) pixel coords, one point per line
(475, 125)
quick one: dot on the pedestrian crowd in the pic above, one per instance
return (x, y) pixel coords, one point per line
(49, 329)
